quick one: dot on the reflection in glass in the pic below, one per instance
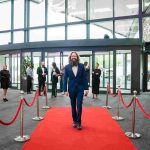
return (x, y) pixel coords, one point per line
(37, 13)
(105, 60)
(56, 11)
(98, 30)
(18, 37)
(37, 63)
(77, 31)
(76, 10)
(146, 29)
(18, 7)
(148, 72)
(5, 38)
(101, 9)
(36, 35)
(123, 69)
(127, 28)
(146, 7)
(126, 7)
(52, 33)
(5, 17)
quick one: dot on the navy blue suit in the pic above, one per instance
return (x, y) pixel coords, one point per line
(76, 86)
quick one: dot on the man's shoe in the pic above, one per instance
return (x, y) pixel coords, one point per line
(79, 127)
(74, 125)
(5, 100)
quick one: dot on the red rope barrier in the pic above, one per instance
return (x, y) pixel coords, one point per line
(125, 105)
(31, 104)
(142, 109)
(109, 90)
(16, 115)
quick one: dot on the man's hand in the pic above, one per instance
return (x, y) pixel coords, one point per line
(86, 92)
(66, 93)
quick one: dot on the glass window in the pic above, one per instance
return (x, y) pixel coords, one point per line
(77, 31)
(123, 69)
(98, 30)
(5, 17)
(18, 37)
(52, 33)
(37, 63)
(18, 7)
(56, 11)
(146, 29)
(128, 28)
(5, 38)
(146, 6)
(76, 10)
(101, 9)
(126, 7)
(36, 35)
(37, 13)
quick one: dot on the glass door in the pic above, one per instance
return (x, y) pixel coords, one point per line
(105, 60)
(123, 70)
(148, 72)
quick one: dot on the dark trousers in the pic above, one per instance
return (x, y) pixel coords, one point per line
(29, 83)
(76, 106)
(41, 86)
(54, 88)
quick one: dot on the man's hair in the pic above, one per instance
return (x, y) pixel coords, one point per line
(78, 57)
(85, 63)
(54, 64)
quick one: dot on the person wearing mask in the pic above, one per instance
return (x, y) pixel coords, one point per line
(29, 72)
(42, 73)
(54, 78)
(5, 81)
(75, 84)
(96, 80)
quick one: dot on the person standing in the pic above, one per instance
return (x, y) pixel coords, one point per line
(62, 79)
(54, 78)
(87, 70)
(5, 81)
(75, 82)
(29, 72)
(96, 80)
(42, 73)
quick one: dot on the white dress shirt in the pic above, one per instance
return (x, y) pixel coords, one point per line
(75, 69)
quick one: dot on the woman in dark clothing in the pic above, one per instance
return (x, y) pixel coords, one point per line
(5, 81)
(96, 80)
(54, 78)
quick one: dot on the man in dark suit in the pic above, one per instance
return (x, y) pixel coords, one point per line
(75, 75)
(42, 72)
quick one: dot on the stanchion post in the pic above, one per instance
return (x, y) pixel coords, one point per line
(22, 137)
(46, 99)
(117, 117)
(132, 134)
(38, 117)
(107, 107)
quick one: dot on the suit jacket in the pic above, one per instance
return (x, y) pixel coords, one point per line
(76, 83)
(40, 72)
(54, 78)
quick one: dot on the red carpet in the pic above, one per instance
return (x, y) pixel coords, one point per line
(100, 132)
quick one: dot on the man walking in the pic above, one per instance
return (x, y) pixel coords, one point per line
(75, 75)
